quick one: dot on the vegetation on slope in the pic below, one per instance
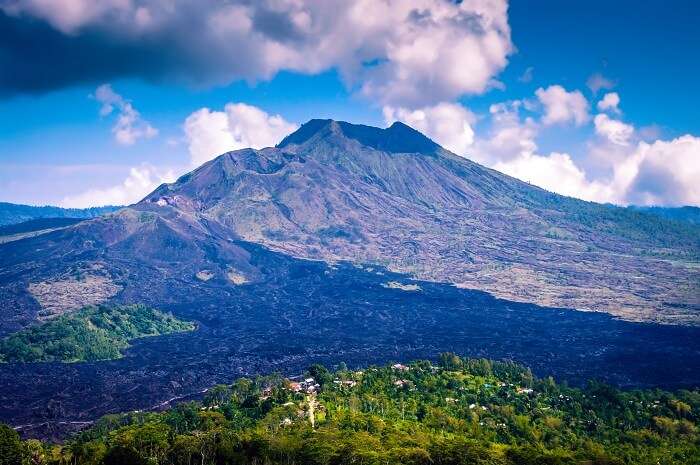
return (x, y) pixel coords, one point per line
(92, 333)
(463, 412)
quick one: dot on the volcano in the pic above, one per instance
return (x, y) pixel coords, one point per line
(356, 243)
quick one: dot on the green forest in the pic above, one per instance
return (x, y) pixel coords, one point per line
(92, 333)
(462, 411)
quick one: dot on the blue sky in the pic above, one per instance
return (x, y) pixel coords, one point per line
(528, 105)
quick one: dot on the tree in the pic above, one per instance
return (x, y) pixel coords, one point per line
(320, 374)
(450, 361)
(10, 446)
(34, 453)
(120, 455)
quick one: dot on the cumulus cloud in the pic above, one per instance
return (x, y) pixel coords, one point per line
(510, 146)
(561, 106)
(211, 133)
(141, 181)
(509, 137)
(399, 52)
(657, 173)
(613, 130)
(610, 102)
(555, 172)
(448, 124)
(662, 173)
(129, 126)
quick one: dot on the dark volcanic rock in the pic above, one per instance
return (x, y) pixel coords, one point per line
(300, 312)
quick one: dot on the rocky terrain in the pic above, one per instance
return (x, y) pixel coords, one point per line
(298, 312)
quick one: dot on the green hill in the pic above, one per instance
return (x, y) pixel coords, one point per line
(92, 333)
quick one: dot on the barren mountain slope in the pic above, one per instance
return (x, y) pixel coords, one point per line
(338, 191)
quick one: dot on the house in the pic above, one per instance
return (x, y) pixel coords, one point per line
(399, 367)
(345, 383)
(294, 386)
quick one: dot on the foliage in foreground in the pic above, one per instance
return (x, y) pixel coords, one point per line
(92, 333)
(462, 412)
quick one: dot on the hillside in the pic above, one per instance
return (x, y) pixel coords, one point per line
(12, 213)
(461, 412)
(687, 214)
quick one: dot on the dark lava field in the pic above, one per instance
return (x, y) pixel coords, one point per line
(307, 311)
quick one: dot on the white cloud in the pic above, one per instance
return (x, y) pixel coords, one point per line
(657, 173)
(211, 133)
(408, 53)
(561, 106)
(129, 126)
(448, 124)
(141, 181)
(508, 137)
(662, 173)
(431, 51)
(597, 81)
(613, 130)
(556, 172)
(610, 102)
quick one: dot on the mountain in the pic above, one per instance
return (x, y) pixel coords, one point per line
(12, 213)
(357, 244)
(392, 197)
(334, 191)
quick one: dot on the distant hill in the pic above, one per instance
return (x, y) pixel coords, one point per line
(37, 224)
(12, 213)
(686, 214)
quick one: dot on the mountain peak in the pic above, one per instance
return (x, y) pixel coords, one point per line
(398, 137)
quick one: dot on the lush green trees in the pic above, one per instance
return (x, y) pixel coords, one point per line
(464, 412)
(10, 446)
(92, 333)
